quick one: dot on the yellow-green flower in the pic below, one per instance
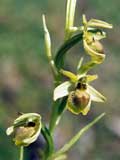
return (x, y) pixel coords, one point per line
(91, 38)
(25, 129)
(79, 92)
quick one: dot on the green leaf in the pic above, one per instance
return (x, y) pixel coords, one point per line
(95, 95)
(60, 55)
(62, 90)
(68, 145)
(59, 157)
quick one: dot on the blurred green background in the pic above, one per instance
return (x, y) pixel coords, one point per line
(26, 83)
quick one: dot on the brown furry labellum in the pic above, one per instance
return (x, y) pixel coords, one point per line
(78, 101)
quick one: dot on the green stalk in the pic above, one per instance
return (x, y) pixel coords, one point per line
(53, 116)
(50, 145)
(21, 152)
(57, 110)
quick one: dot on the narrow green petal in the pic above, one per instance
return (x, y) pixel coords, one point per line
(99, 23)
(91, 78)
(62, 90)
(95, 95)
(85, 68)
(70, 75)
(79, 64)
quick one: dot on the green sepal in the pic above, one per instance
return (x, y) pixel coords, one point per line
(73, 78)
(62, 90)
(91, 78)
(99, 23)
(95, 95)
(10, 130)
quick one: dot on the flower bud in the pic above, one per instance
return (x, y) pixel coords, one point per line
(26, 129)
(78, 100)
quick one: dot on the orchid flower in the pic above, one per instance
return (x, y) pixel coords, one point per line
(79, 92)
(91, 38)
(25, 129)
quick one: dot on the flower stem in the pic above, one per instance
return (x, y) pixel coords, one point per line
(21, 152)
(57, 110)
(50, 145)
(54, 116)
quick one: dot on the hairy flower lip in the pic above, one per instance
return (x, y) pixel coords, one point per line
(78, 100)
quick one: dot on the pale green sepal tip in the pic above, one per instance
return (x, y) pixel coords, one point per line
(91, 78)
(99, 23)
(62, 90)
(95, 95)
(84, 19)
(10, 130)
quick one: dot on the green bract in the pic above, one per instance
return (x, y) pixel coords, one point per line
(79, 92)
(91, 39)
(25, 129)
